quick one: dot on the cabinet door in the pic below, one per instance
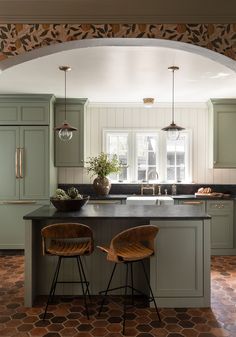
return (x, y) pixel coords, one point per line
(9, 113)
(223, 122)
(70, 153)
(34, 113)
(12, 225)
(9, 168)
(34, 183)
(221, 223)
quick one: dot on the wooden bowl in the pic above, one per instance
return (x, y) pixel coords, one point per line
(69, 205)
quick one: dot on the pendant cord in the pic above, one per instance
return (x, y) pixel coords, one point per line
(173, 96)
(65, 95)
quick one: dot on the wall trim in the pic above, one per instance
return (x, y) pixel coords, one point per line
(139, 105)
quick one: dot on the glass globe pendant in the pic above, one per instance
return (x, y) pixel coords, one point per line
(65, 129)
(173, 129)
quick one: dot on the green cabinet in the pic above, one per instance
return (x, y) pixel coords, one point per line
(25, 109)
(24, 170)
(70, 153)
(222, 223)
(27, 173)
(222, 121)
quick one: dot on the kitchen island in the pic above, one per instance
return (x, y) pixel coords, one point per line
(179, 271)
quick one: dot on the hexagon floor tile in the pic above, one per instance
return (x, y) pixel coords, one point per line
(66, 317)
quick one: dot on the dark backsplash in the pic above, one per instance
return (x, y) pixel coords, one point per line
(136, 188)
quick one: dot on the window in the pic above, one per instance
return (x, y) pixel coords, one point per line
(147, 155)
(177, 159)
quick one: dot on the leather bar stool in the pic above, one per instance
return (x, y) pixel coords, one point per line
(130, 246)
(68, 240)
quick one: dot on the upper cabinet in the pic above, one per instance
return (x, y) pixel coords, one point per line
(70, 153)
(222, 122)
(25, 109)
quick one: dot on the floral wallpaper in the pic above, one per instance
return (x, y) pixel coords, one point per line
(16, 39)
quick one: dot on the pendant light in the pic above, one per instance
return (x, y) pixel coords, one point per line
(65, 129)
(173, 129)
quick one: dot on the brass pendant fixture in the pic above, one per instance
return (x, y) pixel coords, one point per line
(65, 129)
(148, 102)
(173, 129)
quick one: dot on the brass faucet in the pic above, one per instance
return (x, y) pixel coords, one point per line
(148, 187)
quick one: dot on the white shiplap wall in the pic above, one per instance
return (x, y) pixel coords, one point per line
(193, 116)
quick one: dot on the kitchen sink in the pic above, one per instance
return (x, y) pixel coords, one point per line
(150, 200)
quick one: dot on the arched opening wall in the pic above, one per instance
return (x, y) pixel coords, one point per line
(20, 42)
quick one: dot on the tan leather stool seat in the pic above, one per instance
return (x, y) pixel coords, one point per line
(130, 251)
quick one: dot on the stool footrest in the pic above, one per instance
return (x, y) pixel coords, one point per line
(123, 287)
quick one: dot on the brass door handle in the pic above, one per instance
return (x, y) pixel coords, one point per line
(21, 162)
(16, 163)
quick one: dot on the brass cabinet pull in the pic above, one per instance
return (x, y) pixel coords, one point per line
(16, 163)
(21, 162)
(19, 202)
(192, 202)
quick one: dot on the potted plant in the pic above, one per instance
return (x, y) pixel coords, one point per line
(102, 166)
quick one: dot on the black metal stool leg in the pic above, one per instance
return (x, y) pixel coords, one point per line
(55, 283)
(82, 286)
(108, 286)
(84, 276)
(53, 286)
(150, 289)
(132, 282)
(125, 297)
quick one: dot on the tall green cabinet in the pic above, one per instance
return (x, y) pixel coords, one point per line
(27, 173)
(69, 154)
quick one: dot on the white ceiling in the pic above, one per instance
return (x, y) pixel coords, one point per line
(122, 74)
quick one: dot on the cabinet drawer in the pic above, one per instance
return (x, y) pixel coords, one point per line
(198, 203)
(220, 205)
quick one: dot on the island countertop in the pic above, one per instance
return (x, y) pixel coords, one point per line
(106, 211)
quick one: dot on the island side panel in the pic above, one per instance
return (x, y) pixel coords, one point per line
(207, 262)
(179, 271)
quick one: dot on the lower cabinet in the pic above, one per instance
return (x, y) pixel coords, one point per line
(12, 225)
(222, 223)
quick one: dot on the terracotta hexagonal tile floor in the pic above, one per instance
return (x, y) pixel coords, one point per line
(66, 319)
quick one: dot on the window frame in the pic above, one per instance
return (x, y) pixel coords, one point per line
(161, 152)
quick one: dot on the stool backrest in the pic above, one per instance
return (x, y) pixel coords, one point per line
(141, 234)
(66, 231)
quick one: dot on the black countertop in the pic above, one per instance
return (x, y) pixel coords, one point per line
(172, 212)
(175, 197)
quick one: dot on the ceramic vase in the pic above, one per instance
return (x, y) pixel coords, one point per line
(102, 185)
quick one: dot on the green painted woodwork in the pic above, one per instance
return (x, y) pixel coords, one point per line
(35, 181)
(70, 153)
(12, 224)
(32, 141)
(25, 109)
(38, 179)
(9, 141)
(222, 223)
(222, 132)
